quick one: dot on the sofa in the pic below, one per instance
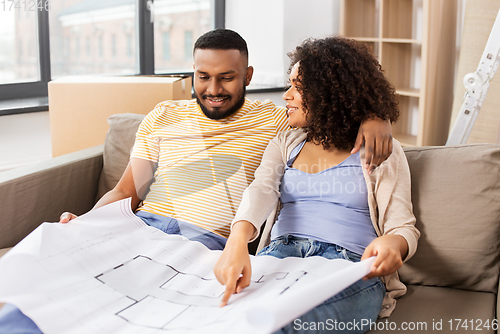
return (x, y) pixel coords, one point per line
(452, 280)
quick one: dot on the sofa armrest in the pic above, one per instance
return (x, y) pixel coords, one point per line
(40, 192)
(497, 313)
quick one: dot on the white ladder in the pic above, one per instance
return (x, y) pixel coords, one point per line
(477, 85)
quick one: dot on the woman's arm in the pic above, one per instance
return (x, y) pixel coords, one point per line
(233, 269)
(392, 192)
(394, 204)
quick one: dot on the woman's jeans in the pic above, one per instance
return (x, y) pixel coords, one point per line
(346, 311)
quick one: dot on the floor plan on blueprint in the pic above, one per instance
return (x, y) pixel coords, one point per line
(108, 272)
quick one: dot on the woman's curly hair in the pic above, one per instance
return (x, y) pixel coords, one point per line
(342, 85)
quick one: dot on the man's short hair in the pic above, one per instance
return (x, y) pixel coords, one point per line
(221, 39)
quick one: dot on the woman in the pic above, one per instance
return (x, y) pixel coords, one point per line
(331, 206)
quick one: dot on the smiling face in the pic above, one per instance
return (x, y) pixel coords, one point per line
(293, 97)
(220, 79)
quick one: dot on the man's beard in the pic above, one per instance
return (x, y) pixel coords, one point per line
(216, 114)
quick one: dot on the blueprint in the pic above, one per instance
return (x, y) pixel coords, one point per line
(108, 272)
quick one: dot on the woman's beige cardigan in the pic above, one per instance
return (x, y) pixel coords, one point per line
(389, 200)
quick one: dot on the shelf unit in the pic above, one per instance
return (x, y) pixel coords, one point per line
(409, 38)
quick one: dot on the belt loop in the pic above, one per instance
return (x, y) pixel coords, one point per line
(285, 237)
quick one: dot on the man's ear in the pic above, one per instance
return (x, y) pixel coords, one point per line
(248, 75)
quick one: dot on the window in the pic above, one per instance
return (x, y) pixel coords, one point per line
(179, 23)
(18, 40)
(188, 45)
(129, 45)
(90, 37)
(113, 45)
(88, 46)
(19, 49)
(104, 21)
(100, 46)
(77, 47)
(165, 45)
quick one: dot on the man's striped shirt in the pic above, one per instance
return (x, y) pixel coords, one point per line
(204, 165)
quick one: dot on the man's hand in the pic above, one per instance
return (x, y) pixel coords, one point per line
(377, 136)
(389, 251)
(233, 269)
(66, 217)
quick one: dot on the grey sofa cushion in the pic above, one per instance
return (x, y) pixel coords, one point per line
(117, 147)
(456, 199)
(423, 307)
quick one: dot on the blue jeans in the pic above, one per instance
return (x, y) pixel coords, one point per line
(342, 313)
(13, 321)
(192, 232)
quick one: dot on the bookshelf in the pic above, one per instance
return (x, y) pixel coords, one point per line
(414, 41)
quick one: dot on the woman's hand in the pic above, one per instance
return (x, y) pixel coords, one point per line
(390, 250)
(66, 217)
(233, 269)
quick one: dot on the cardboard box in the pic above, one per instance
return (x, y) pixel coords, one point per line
(79, 106)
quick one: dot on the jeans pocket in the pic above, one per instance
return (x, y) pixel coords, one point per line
(269, 248)
(351, 256)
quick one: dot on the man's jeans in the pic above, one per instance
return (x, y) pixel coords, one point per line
(343, 313)
(192, 232)
(13, 321)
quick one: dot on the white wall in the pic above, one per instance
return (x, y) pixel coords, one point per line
(304, 19)
(274, 27)
(261, 24)
(276, 97)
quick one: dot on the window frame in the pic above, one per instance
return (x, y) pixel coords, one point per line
(17, 98)
(35, 93)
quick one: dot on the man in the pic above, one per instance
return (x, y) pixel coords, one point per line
(192, 159)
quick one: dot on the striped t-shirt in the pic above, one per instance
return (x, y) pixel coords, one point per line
(204, 165)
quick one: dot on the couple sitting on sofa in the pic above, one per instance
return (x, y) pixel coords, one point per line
(338, 97)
